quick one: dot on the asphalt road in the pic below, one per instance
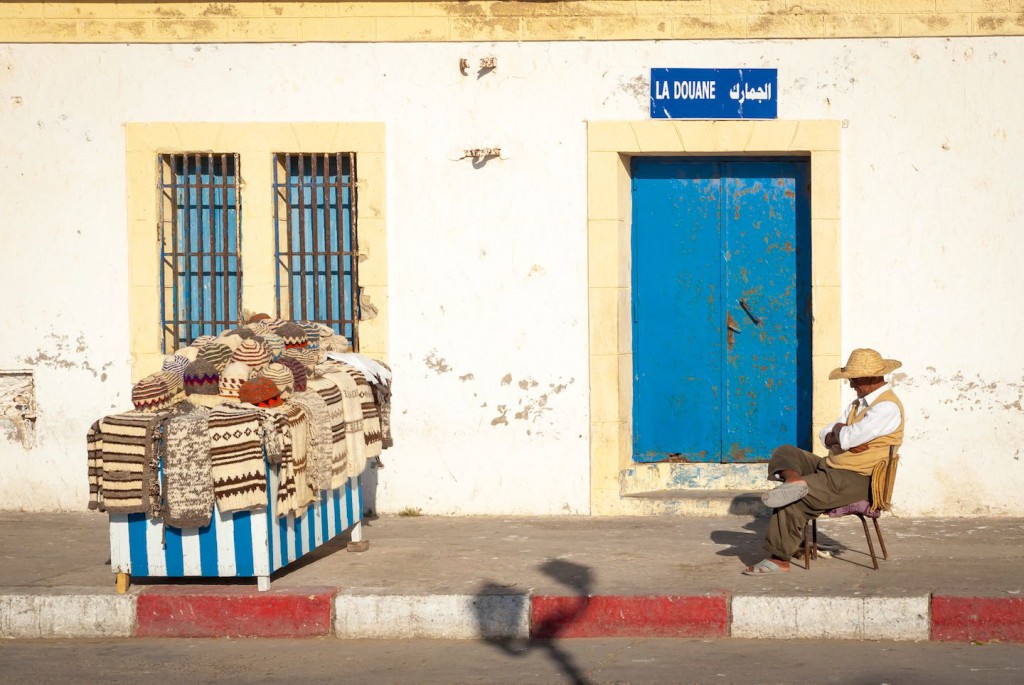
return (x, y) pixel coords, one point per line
(574, 662)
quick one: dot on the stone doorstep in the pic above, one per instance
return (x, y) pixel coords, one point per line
(306, 612)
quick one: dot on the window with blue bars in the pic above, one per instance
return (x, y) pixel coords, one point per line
(200, 266)
(316, 245)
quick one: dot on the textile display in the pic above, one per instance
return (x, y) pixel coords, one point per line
(320, 441)
(188, 478)
(128, 456)
(236, 455)
(334, 398)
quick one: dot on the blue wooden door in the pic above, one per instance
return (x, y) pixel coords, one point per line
(721, 308)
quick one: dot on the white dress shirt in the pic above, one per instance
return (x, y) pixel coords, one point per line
(881, 419)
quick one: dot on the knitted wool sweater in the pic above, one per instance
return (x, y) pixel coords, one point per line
(236, 452)
(188, 475)
(332, 396)
(320, 444)
(129, 462)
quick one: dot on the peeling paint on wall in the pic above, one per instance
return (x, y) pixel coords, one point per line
(438, 364)
(966, 394)
(63, 356)
(18, 406)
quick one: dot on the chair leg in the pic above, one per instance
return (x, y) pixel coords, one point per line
(814, 535)
(807, 547)
(881, 540)
(871, 545)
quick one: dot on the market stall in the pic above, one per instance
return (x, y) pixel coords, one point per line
(242, 454)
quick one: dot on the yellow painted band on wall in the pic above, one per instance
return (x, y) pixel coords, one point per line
(503, 20)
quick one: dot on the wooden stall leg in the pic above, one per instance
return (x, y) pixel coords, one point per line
(262, 583)
(124, 581)
(358, 544)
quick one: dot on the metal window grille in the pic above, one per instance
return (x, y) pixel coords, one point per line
(201, 266)
(316, 240)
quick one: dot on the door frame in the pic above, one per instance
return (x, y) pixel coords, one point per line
(610, 147)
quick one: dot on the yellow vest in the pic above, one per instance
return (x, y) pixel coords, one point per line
(878, 449)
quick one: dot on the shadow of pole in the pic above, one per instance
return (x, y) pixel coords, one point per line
(556, 621)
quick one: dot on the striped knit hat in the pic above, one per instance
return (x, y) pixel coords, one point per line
(275, 323)
(282, 377)
(232, 377)
(175, 383)
(244, 333)
(325, 331)
(151, 394)
(175, 363)
(294, 336)
(312, 335)
(201, 378)
(202, 341)
(217, 354)
(257, 317)
(190, 353)
(252, 354)
(274, 344)
(258, 327)
(230, 340)
(336, 343)
(308, 358)
(299, 374)
(259, 391)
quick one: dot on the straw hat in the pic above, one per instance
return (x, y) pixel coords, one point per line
(865, 363)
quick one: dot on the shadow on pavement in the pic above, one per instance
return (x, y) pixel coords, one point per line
(555, 622)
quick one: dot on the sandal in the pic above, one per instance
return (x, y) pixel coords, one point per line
(765, 567)
(787, 493)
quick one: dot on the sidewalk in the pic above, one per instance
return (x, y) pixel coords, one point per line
(519, 577)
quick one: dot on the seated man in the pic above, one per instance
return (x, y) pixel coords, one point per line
(856, 441)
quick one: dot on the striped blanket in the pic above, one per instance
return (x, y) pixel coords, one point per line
(320, 444)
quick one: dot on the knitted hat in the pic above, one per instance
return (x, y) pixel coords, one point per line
(151, 394)
(241, 332)
(258, 391)
(217, 354)
(175, 383)
(282, 377)
(274, 344)
(190, 353)
(252, 354)
(175, 363)
(258, 327)
(202, 341)
(299, 374)
(337, 343)
(325, 331)
(275, 323)
(232, 377)
(201, 378)
(257, 317)
(312, 335)
(230, 340)
(294, 335)
(308, 358)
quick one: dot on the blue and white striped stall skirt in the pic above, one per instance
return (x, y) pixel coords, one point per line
(241, 544)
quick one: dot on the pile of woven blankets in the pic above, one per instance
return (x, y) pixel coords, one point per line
(288, 395)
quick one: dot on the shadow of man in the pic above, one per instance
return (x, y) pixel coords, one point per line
(555, 621)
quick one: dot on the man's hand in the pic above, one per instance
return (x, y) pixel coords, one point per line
(859, 448)
(832, 439)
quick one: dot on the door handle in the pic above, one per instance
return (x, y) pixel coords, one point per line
(746, 308)
(732, 326)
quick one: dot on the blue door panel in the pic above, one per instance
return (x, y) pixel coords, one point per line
(767, 296)
(677, 415)
(721, 294)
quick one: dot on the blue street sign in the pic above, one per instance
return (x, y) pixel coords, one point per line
(714, 93)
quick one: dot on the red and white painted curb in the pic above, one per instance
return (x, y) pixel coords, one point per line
(175, 611)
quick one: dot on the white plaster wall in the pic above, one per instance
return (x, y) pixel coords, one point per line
(488, 298)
